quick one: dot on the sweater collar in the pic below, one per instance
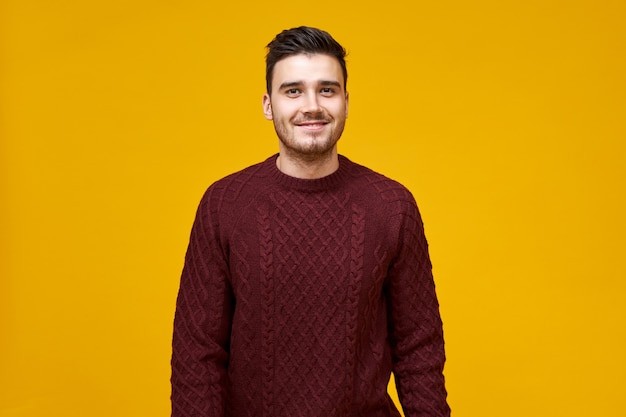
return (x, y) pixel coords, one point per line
(309, 185)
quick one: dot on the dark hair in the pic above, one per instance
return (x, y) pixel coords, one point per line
(302, 40)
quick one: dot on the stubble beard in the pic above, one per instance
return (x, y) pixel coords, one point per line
(312, 148)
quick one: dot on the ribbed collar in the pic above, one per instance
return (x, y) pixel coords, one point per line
(326, 183)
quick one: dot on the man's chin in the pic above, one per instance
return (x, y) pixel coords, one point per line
(309, 152)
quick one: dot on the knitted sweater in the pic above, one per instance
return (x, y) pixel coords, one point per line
(299, 297)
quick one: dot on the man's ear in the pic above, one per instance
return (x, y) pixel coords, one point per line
(347, 102)
(267, 107)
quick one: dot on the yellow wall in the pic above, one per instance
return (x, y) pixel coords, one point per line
(506, 120)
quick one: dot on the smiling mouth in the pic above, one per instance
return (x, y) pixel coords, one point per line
(312, 124)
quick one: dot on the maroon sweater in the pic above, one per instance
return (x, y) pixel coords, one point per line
(300, 297)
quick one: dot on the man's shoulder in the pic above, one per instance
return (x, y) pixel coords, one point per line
(247, 180)
(246, 174)
(372, 182)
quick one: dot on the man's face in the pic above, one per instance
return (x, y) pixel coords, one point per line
(308, 105)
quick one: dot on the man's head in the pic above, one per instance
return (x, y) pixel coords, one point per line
(307, 98)
(302, 40)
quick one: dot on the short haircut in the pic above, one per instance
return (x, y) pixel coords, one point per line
(302, 40)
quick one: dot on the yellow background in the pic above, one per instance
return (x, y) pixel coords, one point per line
(505, 119)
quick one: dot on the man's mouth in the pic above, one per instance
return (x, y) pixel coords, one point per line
(312, 125)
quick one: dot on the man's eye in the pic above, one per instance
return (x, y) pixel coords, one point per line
(327, 91)
(293, 91)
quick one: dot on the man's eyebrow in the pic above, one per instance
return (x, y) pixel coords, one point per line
(291, 84)
(331, 83)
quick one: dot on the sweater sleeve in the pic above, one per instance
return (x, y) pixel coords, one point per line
(415, 325)
(202, 322)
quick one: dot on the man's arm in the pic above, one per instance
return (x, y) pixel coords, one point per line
(415, 325)
(202, 323)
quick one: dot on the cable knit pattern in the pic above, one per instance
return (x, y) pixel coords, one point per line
(267, 313)
(300, 297)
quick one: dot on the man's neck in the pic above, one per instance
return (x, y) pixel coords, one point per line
(308, 168)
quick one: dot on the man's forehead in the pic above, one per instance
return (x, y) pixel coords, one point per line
(307, 68)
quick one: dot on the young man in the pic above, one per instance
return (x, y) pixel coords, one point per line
(307, 279)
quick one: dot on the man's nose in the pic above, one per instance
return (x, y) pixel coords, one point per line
(312, 104)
